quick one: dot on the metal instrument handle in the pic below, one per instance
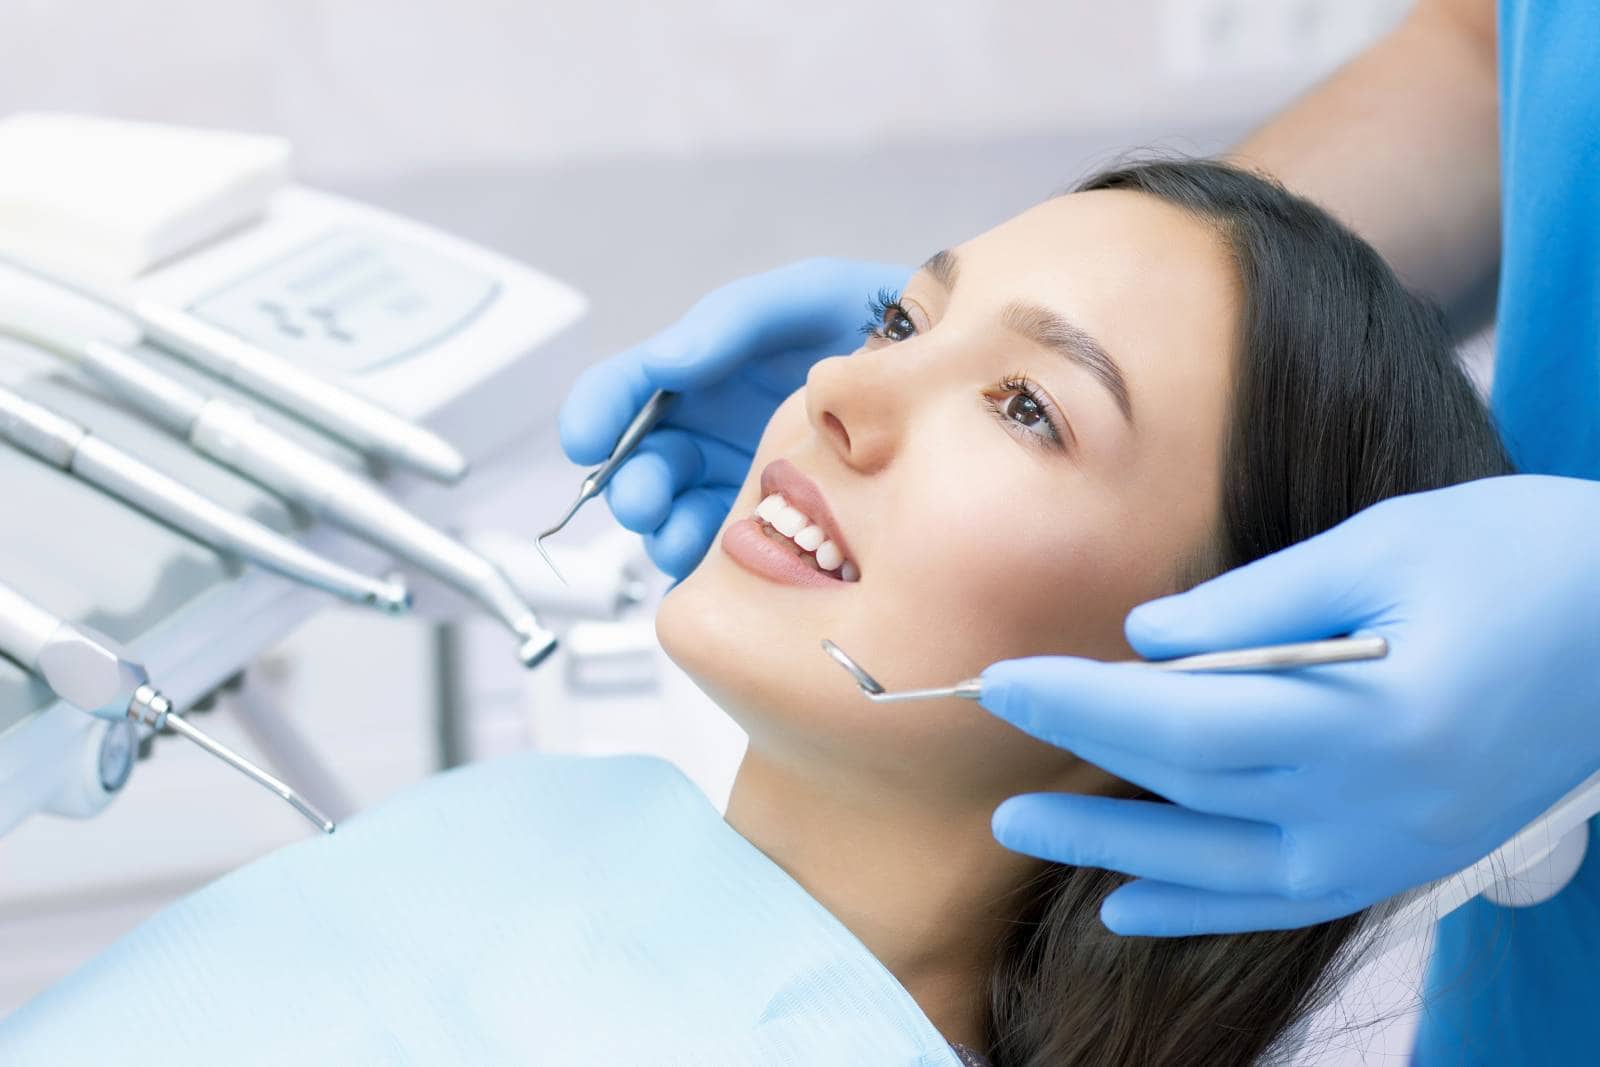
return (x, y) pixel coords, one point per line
(169, 403)
(654, 410)
(25, 627)
(1277, 657)
(321, 404)
(39, 431)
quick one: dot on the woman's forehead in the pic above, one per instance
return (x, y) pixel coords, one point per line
(1153, 283)
(1128, 239)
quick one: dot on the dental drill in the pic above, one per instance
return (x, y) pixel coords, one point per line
(65, 444)
(349, 417)
(93, 673)
(232, 436)
(1264, 658)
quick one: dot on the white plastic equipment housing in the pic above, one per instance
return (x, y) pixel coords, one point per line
(487, 386)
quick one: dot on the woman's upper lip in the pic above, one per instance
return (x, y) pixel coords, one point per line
(781, 476)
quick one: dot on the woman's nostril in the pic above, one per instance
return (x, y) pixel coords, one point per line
(831, 421)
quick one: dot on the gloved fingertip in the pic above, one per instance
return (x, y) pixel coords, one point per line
(1003, 822)
(1027, 824)
(1153, 623)
(631, 516)
(584, 437)
(1020, 690)
(639, 494)
(1122, 915)
(665, 562)
(998, 683)
(672, 554)
(576, 432)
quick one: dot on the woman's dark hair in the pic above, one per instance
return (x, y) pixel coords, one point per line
(1346, 391)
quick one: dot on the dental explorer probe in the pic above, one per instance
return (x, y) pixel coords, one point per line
(366, 426)
(654, 410)
(93, 673)
(65, 444)
(232, 436)
(1264, 658)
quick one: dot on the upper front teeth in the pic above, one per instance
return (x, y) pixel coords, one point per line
(789, 521)
(793, 524)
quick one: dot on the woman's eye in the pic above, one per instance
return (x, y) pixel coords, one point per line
(1021, 404)
(897, 325)
(889, 320)
(1024, 410)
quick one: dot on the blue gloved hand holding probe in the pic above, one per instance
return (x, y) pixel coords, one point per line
(1304, 796)
(735, 356)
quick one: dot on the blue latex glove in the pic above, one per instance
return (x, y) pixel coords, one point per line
(1301, 797)
(735, 356)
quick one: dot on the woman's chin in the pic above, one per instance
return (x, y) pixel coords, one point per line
(677, 624)
(744, 646)
(710, 633)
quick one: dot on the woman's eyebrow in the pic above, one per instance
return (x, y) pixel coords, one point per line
(1049, 330)
(944, 267)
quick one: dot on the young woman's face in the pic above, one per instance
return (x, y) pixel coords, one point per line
(1029, 448)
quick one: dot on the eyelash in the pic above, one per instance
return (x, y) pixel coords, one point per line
(885, 304)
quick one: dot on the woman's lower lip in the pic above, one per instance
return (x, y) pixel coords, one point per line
(759, 554)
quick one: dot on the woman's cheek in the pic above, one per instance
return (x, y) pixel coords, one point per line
(1047, 587)
(788, 421)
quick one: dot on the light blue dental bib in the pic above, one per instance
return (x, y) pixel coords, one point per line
(535, 910)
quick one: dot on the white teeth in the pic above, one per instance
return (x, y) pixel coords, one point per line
(793, 524)
(770, 507)
(790, 522)
(828, 556)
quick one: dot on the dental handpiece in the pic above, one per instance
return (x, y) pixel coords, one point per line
(94, 674)
(65, 444)
(360, 423)
(232, 436)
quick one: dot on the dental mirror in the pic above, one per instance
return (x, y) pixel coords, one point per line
(969, 689)
(1264, 658)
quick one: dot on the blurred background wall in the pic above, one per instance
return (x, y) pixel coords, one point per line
(644, 152)
(800, 128)
(374, 86)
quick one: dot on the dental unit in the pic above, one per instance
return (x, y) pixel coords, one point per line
(363, 425)
(63, 443)
(94, 674)
(232, 436)
(395, 346)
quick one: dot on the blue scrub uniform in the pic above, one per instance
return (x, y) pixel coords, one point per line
(1522, 985)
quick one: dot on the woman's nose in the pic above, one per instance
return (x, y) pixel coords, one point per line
(857, 406)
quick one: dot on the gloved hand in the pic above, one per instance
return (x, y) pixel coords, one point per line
(735, 356)
(1304, 796)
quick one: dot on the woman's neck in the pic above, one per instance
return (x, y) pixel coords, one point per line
(921, 882)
